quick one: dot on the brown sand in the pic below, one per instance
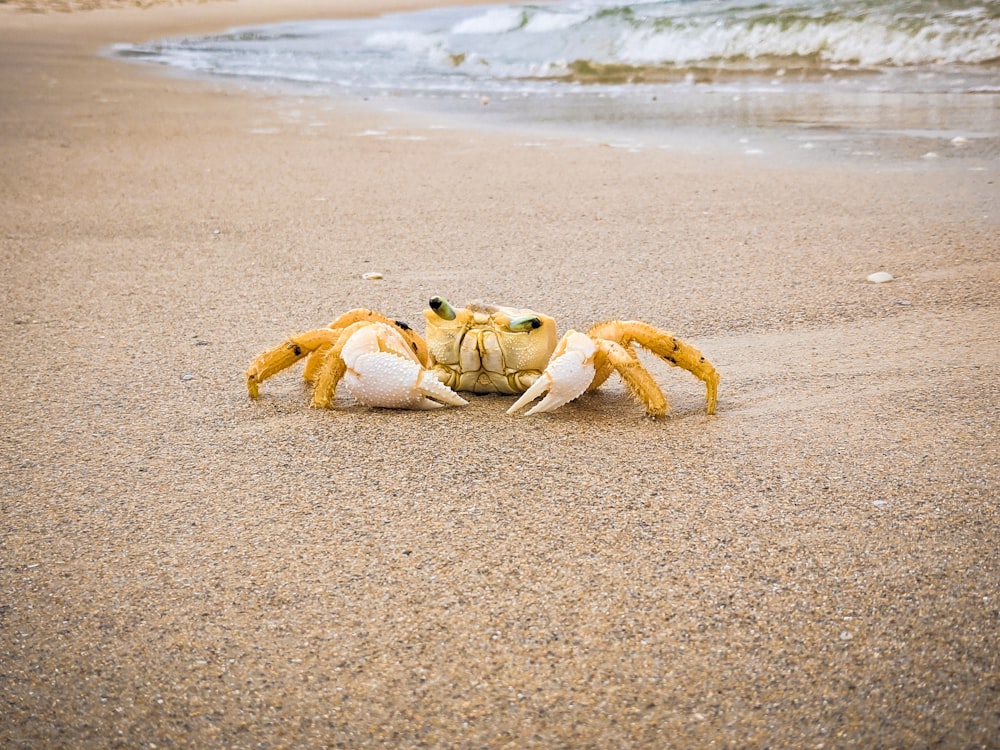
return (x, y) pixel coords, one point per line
(815, 566)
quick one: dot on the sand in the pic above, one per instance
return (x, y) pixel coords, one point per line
(817, 565)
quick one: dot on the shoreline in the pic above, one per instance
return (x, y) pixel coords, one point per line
(772, 132)
(816, 564)
(878, 124)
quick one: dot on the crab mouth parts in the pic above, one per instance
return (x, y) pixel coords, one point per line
(482, 367)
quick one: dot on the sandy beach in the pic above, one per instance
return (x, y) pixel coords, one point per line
(817, 565)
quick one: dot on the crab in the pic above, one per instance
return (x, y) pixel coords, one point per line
(481, 348)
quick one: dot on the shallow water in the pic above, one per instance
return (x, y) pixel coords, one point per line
(909, 79)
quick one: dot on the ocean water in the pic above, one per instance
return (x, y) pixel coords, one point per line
(905, 78)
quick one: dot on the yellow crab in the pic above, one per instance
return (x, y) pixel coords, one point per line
(483, 349)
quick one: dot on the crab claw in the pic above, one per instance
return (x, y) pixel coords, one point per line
(380, 372)
(568, 374)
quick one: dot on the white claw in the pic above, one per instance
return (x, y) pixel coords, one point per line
(382, 372)
(429, 385)
(568, 374)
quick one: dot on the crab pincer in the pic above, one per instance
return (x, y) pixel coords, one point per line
(382, 371)
(568, 375)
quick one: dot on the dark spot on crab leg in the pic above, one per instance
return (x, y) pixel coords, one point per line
(404, 326)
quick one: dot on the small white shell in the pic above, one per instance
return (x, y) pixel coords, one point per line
(371, 276)
(880, 277)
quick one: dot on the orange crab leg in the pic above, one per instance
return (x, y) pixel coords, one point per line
(613, 356)
(285, 355)
(333, 368)
(664, 345)
(315, 361)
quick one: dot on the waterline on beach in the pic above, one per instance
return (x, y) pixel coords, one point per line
(899, 79)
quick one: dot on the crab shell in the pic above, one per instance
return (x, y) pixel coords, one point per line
(477, 349)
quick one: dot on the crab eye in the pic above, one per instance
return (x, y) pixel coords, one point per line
(402, 325)
(442, 308)
(525, 323)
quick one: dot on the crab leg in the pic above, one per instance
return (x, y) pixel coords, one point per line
(285, 355)
(664, 345)
(570, 370)
(615, 357)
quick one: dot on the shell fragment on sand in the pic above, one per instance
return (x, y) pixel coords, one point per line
(880, 277)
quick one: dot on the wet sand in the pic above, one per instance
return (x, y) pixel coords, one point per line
(816, 565)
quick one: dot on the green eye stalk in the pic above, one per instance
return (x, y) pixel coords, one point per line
(525, 323)
(442, 308)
